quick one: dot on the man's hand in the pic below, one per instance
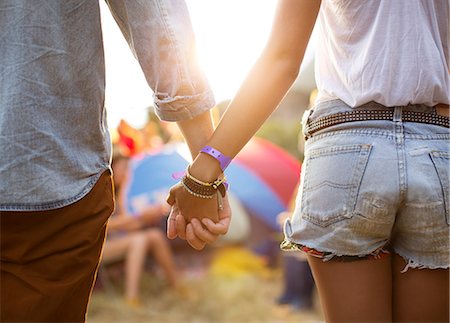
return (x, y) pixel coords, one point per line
(193, 223)
(191, 206)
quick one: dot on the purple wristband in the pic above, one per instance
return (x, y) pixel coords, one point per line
(223, 160)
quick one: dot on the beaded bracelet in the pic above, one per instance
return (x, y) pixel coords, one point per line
(192, 192)
(201, 189)
(203, 192)
(219, 184)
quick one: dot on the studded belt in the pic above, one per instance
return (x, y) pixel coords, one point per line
(321, 123)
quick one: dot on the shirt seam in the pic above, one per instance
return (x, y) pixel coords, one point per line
(55, 204)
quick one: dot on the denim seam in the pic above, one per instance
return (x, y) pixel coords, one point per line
(428, 137)
(124, 27)
(360, 169)
(320, 152)
(434, 156)
(398, 130)
(383, 134)
(378, 133)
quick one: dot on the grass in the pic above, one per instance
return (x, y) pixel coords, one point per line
(207, 296)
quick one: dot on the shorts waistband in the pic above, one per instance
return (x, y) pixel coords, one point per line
(375, 111)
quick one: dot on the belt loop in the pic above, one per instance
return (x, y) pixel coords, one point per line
(397, 114)
(305, 119)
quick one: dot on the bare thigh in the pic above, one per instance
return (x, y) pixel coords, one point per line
(116, 248)
(419, 295)
(354, 291)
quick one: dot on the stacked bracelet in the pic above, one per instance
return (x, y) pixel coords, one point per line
(196, 191)
(219, 184)
(201, 189)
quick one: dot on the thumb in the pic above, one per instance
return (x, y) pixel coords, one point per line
(171, 228)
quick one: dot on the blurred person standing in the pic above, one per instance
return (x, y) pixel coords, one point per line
(298, 281)
(55, 182)
(372, 213)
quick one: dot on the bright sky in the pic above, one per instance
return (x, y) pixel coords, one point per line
(230, 36)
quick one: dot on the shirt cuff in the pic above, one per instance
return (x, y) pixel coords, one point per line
(180, 108)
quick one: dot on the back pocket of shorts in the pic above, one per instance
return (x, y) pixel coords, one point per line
(332, 179)
(441, 163)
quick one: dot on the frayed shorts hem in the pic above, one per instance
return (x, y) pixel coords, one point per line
(414, 264)
(378, 253)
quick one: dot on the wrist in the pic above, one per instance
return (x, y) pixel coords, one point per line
(197, 131)
(222, 159)
(203, 189)
(205, 168)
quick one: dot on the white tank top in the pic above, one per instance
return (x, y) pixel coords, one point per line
(393, 52)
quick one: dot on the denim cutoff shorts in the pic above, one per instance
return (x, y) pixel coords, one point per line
(368, 186)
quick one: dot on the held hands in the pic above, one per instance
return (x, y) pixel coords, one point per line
(200, 209)
(199, 221)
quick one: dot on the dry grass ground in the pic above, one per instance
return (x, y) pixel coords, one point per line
(206, 297)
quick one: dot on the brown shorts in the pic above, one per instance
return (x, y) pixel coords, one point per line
(49, 259)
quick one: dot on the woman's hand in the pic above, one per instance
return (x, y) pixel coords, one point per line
(197, 220)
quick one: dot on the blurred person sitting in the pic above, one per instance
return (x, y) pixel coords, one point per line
(132, 237)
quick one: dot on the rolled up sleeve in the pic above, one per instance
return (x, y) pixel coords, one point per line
(161, 37)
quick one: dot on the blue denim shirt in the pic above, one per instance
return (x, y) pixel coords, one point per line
(54, 141)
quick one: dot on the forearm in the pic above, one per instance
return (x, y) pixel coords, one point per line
(258, 97)
(197, 131)
(265, 86)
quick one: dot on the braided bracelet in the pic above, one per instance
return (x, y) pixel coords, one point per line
(201, 189)
(219, 184)
(190, 191)
(204, 191)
